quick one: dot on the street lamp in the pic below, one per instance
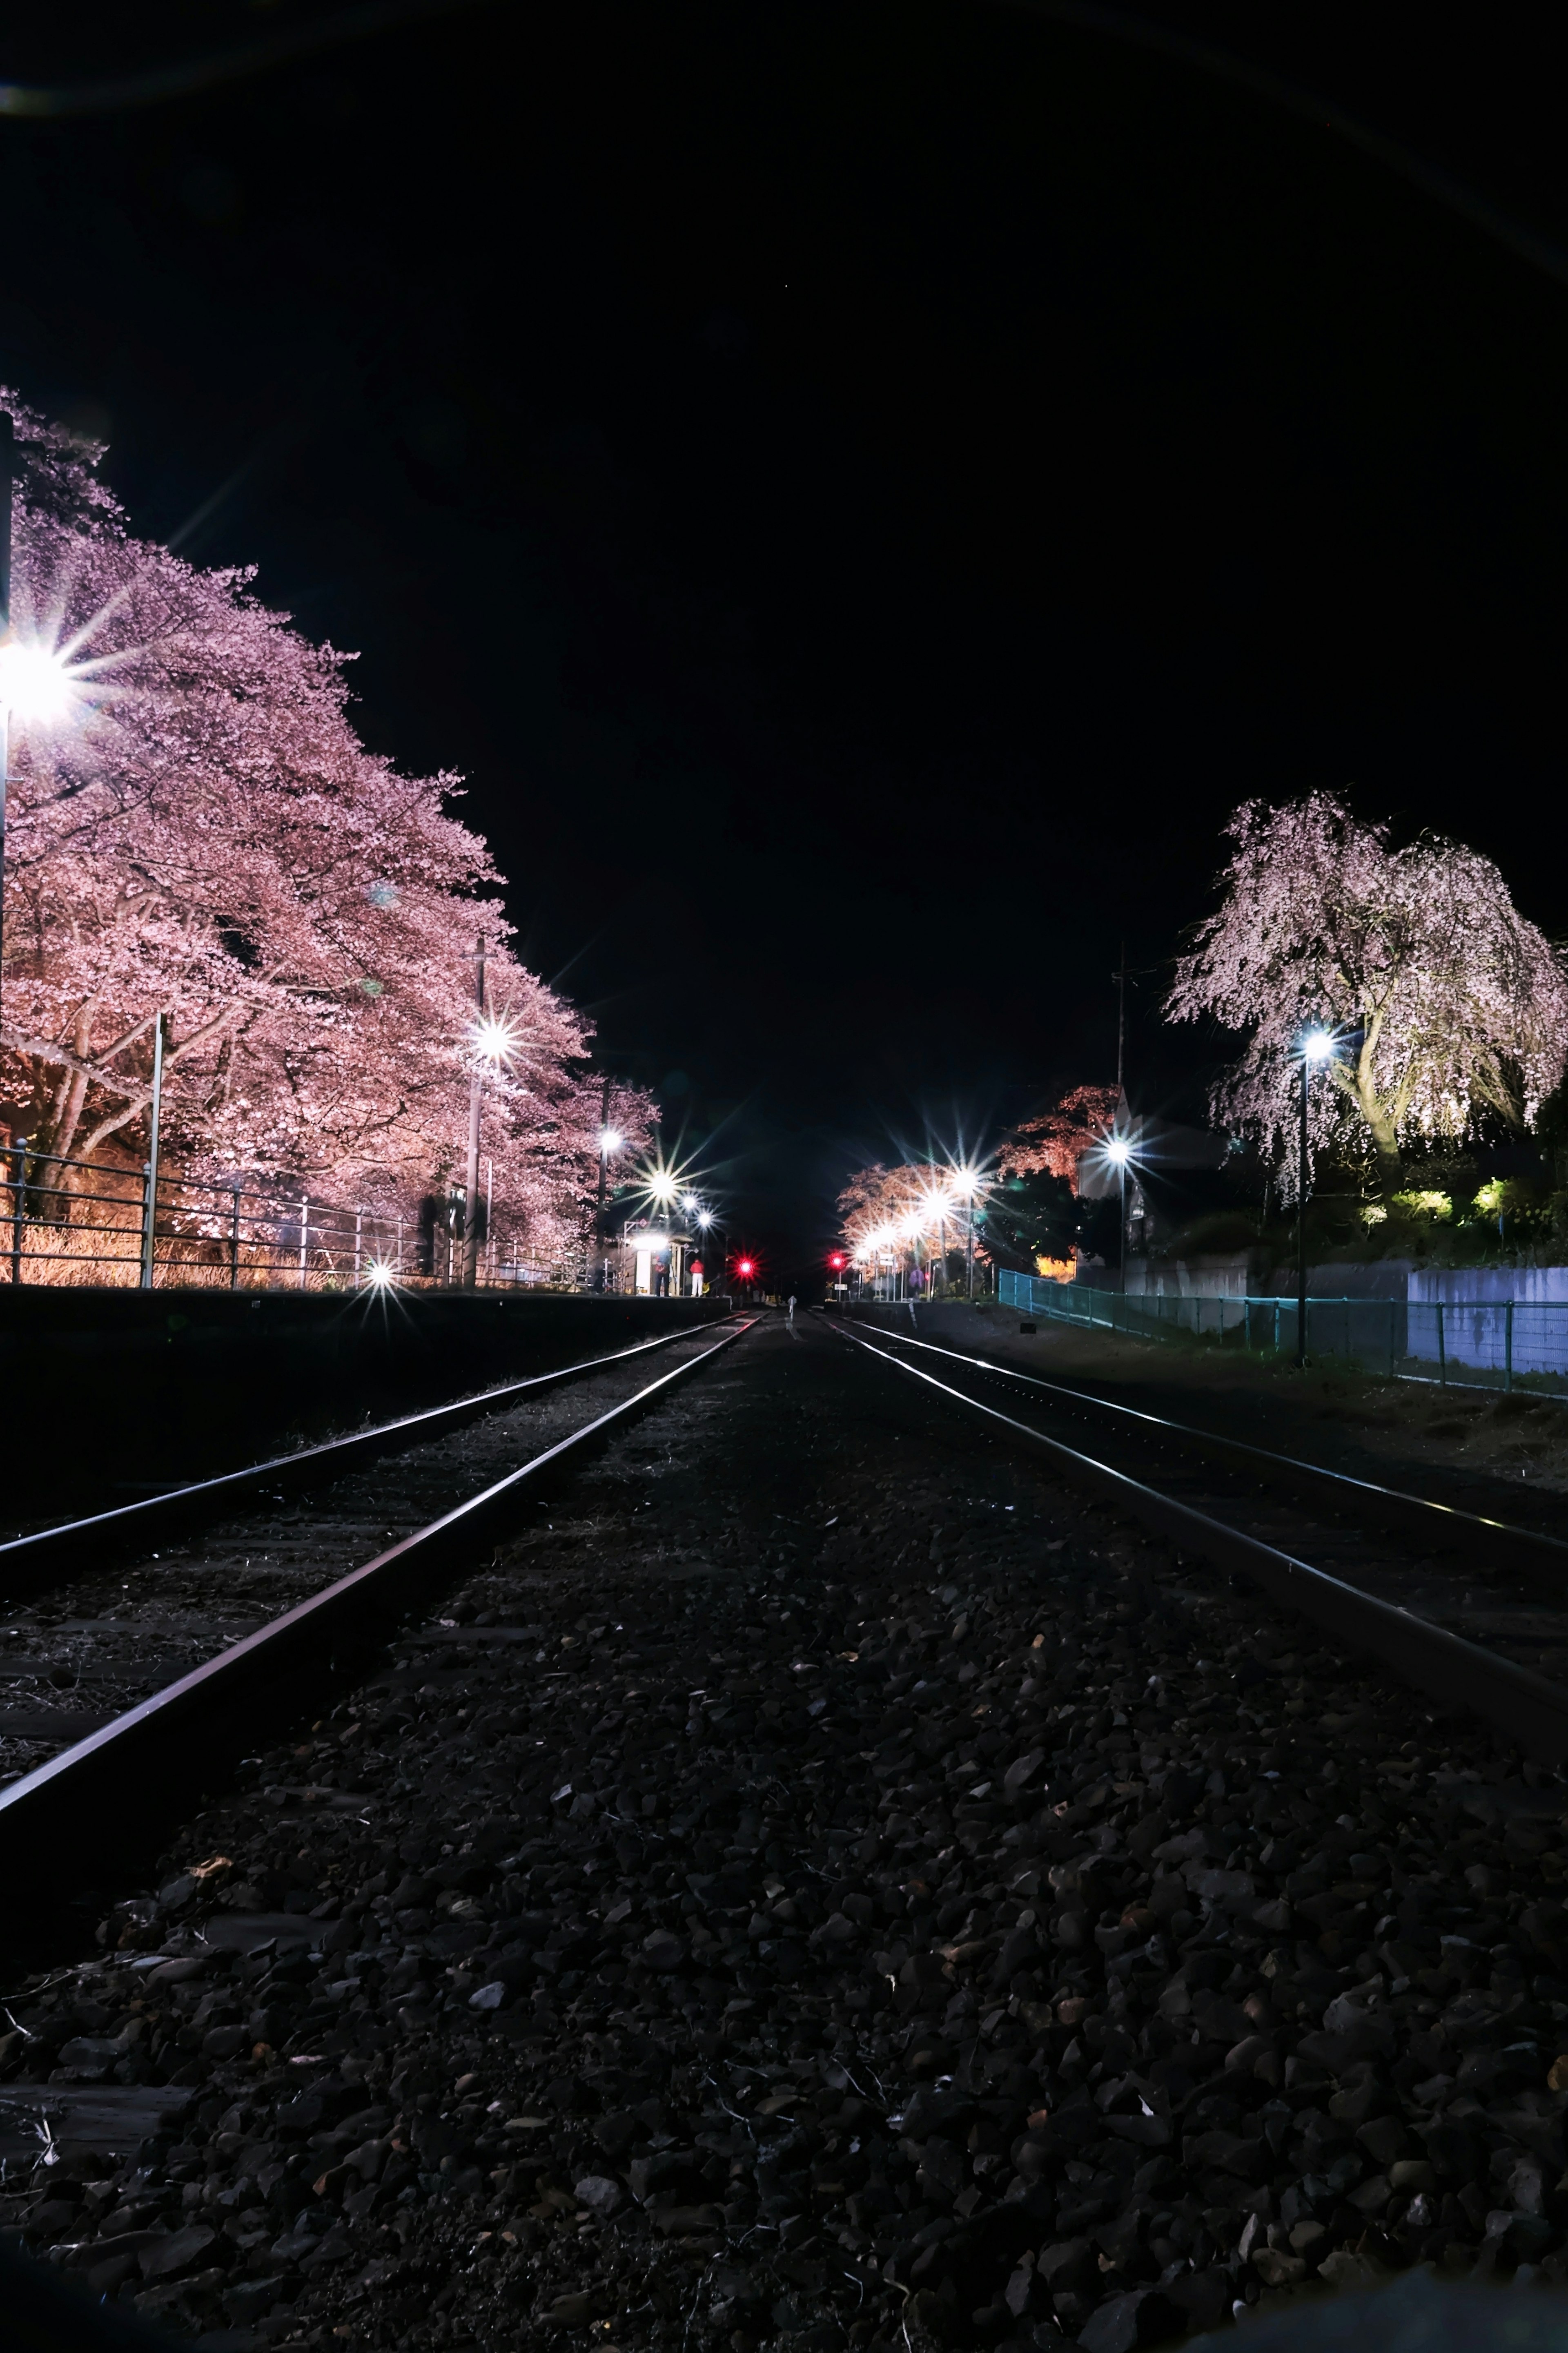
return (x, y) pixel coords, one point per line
(1316, 1045)
(491, 1041)
(610, 1140)
(967, 1182)
(1119, 1152)
(34, 689)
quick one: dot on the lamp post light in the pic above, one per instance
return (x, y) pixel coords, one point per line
(476, 1091)
(967, 1181)
(1317, 1046)
(610, 1140)
(1119, 1152)
(492, 1042)
(34, 682)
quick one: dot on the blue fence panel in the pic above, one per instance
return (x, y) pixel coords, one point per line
(1488, 1343)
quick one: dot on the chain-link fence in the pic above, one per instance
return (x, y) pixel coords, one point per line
(1484, 1344)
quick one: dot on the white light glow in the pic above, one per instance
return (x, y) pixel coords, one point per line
(705, 1219)
(662, 1186)
(1118, 1151)
(494, 1038)
(380, 1275)
(610, 1140)
(1317, 1046)
(34, 685)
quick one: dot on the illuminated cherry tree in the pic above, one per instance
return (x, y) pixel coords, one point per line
(1441, 998)
(890, 1209)
(1053, 1142)
(196, 830)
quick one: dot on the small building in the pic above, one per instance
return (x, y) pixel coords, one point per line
(659, 1259)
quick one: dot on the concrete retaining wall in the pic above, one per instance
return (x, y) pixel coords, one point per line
(105, 1393)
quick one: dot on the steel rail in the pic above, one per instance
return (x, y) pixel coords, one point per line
(47, 1554)
(1525, 1706)
(72, 1819)
(1424, 1515)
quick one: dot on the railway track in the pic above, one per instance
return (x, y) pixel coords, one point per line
(1467, 1607)
(804, 1891)
(38, 1557)
(137, 1672)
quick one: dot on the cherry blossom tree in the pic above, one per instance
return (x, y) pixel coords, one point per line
(876, 1203)
(1442, 999)
(892, 1209)
(197, 832)
(1053, 1141)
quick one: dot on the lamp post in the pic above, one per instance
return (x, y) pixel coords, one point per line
(1119, 1152)
(34, 684)
(7, 463)
(494, 1040)
(604, 1172)
(1316, 1047)
(967, 1180)
(471, 1187)
(610, 1140)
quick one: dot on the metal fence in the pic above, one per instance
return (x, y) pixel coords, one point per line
(94, 1221)
(1501, 1344)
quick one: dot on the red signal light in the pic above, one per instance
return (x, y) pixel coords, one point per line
(745, 1266)
(837, 1261)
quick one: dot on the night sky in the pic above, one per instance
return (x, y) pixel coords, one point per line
(860, 491)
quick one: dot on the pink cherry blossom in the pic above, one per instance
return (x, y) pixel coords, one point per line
(202, 833)
(1055, 1141)
(1442, 999)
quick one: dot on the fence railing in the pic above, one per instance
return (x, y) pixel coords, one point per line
(1486, 1344)
(65, 1220)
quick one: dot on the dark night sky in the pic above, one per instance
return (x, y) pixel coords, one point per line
(860, 491)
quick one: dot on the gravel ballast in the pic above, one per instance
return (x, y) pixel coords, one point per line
(823, 1885)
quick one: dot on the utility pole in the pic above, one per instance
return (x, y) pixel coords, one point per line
(476, 1091)
(1119, 977)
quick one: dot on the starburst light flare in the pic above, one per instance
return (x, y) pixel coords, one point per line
(664, 1186)
(36, 685)
(494, 1038)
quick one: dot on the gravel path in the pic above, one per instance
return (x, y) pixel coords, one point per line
(823, 1886)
